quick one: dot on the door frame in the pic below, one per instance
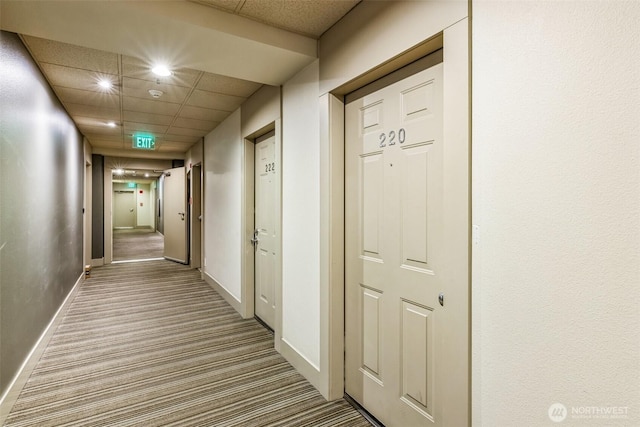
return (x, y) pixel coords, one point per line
(454, 41)
(87, 223)
(246, 305)
(195, 209)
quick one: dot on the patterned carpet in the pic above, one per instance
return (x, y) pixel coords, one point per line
(151, 344)
(137, 244)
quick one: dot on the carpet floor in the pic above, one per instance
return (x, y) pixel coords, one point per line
(137, 244)
(151, 344)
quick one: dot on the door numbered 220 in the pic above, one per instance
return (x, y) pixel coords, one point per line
(390, 138)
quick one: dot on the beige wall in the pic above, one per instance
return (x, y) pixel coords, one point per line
(301, 215)
(556, 203)
(375, 32)
(228, 197)
(222, 205)
(260, 110)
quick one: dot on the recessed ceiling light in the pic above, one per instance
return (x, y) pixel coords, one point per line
(161, 70)
(111, 124)
(105, 84)
(146, 175)
(118, 171)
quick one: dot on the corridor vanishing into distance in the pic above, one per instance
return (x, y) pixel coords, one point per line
(150, 343)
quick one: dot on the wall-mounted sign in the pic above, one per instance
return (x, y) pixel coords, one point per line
(143, 141)
(131, 185)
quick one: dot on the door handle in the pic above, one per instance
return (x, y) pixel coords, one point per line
(254, 239)
(130, 210)
(181, 215)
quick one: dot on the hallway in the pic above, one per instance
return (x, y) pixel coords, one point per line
(137, 244)
(152, 344)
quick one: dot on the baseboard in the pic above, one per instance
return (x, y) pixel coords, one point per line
(223, 292)
(20, 379)
(301, 364)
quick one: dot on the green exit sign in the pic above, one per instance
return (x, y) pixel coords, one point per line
(144, 142)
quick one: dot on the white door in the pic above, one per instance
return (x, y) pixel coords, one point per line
(124, 207)
(395, 251)
(175, 211)
(265, 230)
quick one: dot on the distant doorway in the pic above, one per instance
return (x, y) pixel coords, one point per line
(137, 245)
(124, 209)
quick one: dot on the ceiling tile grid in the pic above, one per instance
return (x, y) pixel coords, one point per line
(67, 55)
(192, 102)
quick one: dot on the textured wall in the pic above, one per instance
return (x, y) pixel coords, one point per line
(41, 193)
(556, 197)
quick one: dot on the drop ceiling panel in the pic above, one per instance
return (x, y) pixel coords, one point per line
(174, 146)
(174, 130)
(152, 106)
(216, 101)
(206, 114)
(100, 130)
(195, 100)
(303, 17)
(84, 97)
(180, 138)
(140, 89)
(93, 111)
(195, 124)
(138, 69)
(92, 121)
(96, 142)
(308, 17)
(77, 78)
(93, 139)
(155, 119)
(227, 85)
(68, 55)
(131, 127)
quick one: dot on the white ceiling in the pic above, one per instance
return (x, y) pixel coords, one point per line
(305, 17)
(220, 52)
